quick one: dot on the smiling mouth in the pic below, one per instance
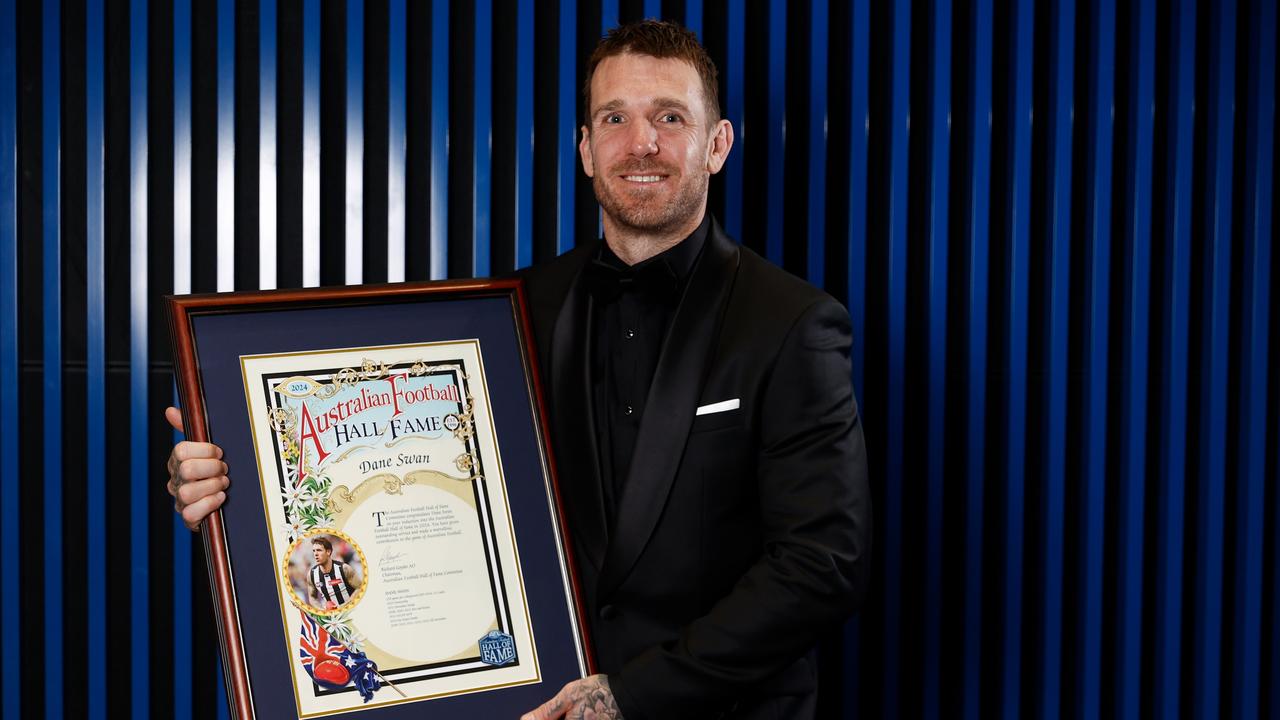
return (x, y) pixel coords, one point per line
(644, 178)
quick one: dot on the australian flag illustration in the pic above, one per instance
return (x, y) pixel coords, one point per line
(331, 664)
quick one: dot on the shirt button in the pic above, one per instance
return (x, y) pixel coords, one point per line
(628, 410)
(631, 334)
(608, 612)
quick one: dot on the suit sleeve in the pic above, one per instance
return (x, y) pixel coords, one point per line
(816, 513)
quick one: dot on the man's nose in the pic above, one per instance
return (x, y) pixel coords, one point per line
(644, 139)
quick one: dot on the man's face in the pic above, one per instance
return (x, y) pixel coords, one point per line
(320, 553)
(650, 145)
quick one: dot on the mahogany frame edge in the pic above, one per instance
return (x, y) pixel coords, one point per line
(235, 669)
(524, 326)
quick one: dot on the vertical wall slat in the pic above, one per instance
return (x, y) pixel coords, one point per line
(693, 16)
(267, 144)
(818, 29)
(939, 189)
(181, 670)
(859, 128)
(1136, 216)
(608, 14)
(777, 133)
(1173, 380)
(311, 143)
(51, 232)
(567, 131)
(483, 128)
(524, 134)
(1092, 527)
(11, 671)
(1273, 613)
(223, 712)
(95, 660)
(1018, 243)
(354, 263)
(1058, 210)
(979, 201)
(735, 111)
(182, 538)
(397, 144)
(1214, 348)
(181, 146)
(1251, 444)
(439, 139)
(226, 144)
(139, 417)
(896, 303)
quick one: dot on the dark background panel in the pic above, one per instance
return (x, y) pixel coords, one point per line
(462, 52)
(376, 138)
(289, 94)
(245, 132)
(333, 142)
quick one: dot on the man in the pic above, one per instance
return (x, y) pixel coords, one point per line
(331, 582)
(708, 442)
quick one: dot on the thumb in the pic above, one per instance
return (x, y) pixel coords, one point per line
(174, 416)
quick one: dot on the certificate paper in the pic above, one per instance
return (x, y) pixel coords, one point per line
(390, 525)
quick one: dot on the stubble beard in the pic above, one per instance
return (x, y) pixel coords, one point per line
(652, 215)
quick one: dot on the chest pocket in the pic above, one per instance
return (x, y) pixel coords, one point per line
(717, 421)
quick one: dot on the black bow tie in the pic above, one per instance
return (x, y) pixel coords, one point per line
(654, 279)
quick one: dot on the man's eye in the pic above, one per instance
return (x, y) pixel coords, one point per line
(613, 119)
(670, 118)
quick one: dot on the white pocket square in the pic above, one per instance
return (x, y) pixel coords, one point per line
(723, 406)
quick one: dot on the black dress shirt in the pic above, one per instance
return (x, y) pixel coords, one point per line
(632, 311)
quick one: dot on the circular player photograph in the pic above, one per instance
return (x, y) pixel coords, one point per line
(325, 572)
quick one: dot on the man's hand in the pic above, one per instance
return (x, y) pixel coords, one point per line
(586, 699)
(197, 476)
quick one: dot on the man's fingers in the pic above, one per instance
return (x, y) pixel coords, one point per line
(196, 512)
(188, 450)
(174, 416)
(190, 493)
(197, 476)
(199, 469)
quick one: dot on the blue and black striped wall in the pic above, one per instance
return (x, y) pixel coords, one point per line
(1052, 223)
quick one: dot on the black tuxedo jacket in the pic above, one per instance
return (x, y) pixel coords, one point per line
(741, 536)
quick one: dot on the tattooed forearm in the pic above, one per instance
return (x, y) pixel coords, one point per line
(593, 700)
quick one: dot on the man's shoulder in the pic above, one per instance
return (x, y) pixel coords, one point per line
(560, 270)
(769, 293)
(548, 282)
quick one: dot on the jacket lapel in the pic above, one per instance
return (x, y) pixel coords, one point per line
(669, 410)
(579, 471)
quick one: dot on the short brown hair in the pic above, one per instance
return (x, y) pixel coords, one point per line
(323, 542)
(659, 39)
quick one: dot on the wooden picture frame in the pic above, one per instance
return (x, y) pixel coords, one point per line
(405, 425)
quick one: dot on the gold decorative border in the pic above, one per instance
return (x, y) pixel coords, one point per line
(302, 603)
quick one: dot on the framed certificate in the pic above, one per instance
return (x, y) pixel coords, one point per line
(393, 540)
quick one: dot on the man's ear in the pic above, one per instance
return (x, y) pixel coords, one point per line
(718, 148)
(584, 150)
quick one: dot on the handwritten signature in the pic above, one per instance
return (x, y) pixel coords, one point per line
(389, 556)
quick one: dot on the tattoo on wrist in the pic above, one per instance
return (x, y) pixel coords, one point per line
(594, 700)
